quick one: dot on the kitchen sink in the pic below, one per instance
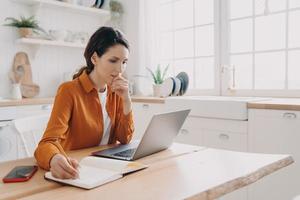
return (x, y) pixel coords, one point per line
(220, 107)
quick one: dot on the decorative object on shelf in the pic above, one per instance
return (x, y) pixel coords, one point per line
(16, 77)
(184, 79)
(59, 35)
(86, 3)
(158, 79)
(116, 12)
(26, 26)
(21, 74)
(99, 3)
(16, 91)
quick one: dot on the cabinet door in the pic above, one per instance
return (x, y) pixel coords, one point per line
(190, 132)
(8, 144)
(143, 113)
(278, 132)
(214, 133)
(7, 113)
(225, 140)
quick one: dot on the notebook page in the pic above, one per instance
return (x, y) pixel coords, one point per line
(104, 163)
(89, 177)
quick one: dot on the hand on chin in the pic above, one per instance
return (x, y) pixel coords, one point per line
(119, 85)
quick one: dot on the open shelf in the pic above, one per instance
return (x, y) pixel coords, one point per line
(49, 42)
(64, 5)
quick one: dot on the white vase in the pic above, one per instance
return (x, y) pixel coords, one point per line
(16, 91)
(157, 90)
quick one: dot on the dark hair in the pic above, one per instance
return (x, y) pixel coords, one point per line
(100, 42)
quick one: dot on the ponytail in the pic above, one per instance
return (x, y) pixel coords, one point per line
(81, 70)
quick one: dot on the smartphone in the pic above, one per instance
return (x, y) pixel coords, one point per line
(20, 174)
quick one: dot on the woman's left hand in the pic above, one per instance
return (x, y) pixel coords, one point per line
(120, 87)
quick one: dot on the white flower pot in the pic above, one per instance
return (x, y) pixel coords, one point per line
(157, 90)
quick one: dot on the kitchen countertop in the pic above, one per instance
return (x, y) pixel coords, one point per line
(272, 103)
(50, 100)
(26, 101)
(276, 104)
(140, 99)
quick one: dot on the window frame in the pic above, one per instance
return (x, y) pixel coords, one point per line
(222, 52)
(225, 36)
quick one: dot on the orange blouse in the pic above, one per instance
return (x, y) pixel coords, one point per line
(76, 120)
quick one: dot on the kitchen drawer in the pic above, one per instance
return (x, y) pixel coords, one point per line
(142, 114)
(276, 114)
(190, 133)
(8, 113)
(14, 112)
(225, 140)
(144, 108)
(25, 111)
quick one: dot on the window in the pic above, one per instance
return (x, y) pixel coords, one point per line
(260, 39)
(264, 40)
(187, 40)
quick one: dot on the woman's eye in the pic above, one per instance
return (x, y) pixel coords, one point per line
(125, 62)
(113, 61)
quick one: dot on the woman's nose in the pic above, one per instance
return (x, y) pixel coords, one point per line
(122, 68)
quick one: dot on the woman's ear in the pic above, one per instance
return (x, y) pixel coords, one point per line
(94, 58)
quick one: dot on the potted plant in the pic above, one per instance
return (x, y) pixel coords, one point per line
(158, 79)
(26, 26)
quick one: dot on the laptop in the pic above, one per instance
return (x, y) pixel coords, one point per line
(159, 135)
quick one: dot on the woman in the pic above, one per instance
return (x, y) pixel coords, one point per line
(94, 108)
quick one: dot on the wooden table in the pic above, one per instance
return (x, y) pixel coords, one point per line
(183, 171)
(39, 184)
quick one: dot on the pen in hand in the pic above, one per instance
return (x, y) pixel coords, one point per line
(73, 163)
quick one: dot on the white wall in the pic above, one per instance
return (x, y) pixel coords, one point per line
(49, 64)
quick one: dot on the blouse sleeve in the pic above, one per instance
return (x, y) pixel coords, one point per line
(56, 128)
(124, 125)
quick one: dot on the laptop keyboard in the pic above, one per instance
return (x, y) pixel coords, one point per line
(126, 153)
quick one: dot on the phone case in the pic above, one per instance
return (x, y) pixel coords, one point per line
(20, 174)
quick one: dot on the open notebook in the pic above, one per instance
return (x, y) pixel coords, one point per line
(96, 171)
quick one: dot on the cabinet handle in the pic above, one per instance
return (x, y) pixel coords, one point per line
(223, 136)
(289, 115)
(145, 106)
(184, 131)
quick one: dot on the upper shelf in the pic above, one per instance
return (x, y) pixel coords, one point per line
(64, 5)
(49, 42)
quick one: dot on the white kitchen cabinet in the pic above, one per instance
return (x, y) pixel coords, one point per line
(276, 131)
(190, 132)
(14, 112)
(11, 146)
(8, 143)
(214, 133)
(142, 113)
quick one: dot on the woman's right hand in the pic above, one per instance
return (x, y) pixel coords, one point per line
(61, 168)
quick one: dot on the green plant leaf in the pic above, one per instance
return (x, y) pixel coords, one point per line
(23, 22)
(165, 72)
(158, 75)
(152, 74)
